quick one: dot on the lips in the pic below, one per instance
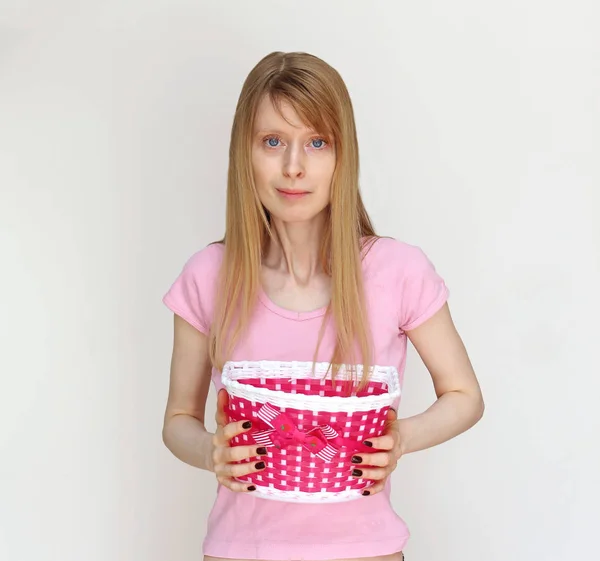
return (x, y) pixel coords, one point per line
(292, 192)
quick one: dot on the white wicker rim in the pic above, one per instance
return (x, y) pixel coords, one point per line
(305, 497)
(234, 371)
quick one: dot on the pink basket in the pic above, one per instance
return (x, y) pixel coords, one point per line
(310, 426)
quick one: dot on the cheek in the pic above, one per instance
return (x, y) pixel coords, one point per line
(263, 173)
(265, 163)
(326, 169)
(259, 171)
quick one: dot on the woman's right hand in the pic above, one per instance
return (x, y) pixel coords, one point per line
(223, 454)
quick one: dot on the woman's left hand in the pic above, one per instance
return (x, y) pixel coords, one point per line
(379, 465)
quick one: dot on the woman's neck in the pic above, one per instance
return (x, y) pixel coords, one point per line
(295, 249)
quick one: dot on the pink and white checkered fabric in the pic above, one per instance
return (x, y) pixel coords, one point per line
(310, 425)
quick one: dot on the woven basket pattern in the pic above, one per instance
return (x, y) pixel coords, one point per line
(328, 426)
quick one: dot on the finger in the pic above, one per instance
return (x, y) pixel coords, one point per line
(383, 442)
(376, 474)
(391, 415)
(375, 488)
(239, 470)
(379, 459)
(236, 486)
(222, 406)
(234, 429)
(239, 453)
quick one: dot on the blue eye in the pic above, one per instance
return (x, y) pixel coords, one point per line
(275, 142)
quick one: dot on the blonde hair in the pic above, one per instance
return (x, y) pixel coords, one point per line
(318, 94)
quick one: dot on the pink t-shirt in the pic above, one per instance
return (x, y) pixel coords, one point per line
(402, 290)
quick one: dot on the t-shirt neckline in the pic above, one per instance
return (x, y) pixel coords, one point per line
(288, 314)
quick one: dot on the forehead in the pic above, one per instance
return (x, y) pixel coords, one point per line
(282, 116)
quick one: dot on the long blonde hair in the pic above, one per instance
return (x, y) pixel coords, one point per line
(318, 94)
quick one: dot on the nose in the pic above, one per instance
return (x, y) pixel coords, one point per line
(294, 165)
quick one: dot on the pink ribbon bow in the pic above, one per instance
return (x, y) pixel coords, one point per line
(285, 433)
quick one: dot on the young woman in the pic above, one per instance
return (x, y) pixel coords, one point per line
(301, 276)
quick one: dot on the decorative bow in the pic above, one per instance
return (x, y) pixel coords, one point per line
(324, 441)
(285, 433)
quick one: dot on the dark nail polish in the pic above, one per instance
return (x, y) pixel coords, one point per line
(367, 443)
(252, 488)
(365, 493)
(356, 460)
(260, 465)
(261, 451)
(356, 472)
(247, 425)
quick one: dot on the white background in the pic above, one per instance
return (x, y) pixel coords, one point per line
(479, 131)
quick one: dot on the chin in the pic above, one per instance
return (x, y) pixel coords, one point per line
(293, 217)
(298, 214)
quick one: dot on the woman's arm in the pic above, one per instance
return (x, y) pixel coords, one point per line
(184, 432)
(460, 403)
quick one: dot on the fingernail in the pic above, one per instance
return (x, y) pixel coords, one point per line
(367, 443)
(247, 425)
(252, 488)
(365, 493)
(260, 465)
(261, 451)
(356, 460)
(356, 472)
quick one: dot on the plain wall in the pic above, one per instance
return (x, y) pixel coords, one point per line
(479, 132)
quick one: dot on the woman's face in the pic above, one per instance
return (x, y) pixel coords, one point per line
(292, 164)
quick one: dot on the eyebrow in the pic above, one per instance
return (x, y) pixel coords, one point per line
(266, 131)
(282, 133)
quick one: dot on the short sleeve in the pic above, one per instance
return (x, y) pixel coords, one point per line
(423, 292)
(192, 295)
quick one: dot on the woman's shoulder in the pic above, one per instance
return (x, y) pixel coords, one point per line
(206, 260)
(389, 254)
(402, 274)
(192, 294)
